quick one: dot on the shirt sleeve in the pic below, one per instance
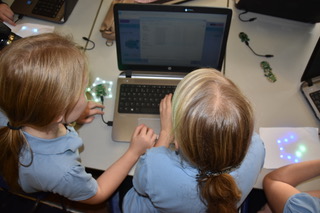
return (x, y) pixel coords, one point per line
(251, 164)
(141, 181)
(302, 202)
(77, 184)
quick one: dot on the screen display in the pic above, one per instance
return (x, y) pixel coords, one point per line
(171, 40)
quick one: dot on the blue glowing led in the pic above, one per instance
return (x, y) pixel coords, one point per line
(281, 156)
(286, 140)
(281, 148)
(289, 157)
(279, 141)
(24, 27)
(35, 30)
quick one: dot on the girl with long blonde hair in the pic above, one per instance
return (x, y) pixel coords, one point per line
(217, 156)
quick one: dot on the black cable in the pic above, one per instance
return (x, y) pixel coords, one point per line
(244, 38)
(92, 42)
(19, 18)
(246, 20)
(109, 123)
(267, 55)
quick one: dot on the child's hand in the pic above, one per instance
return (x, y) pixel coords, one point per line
(6, 14)
(165, 137)
(142, 139)
(92, 109)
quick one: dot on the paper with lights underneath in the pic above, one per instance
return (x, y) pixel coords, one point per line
(289, 145)
(30, 29)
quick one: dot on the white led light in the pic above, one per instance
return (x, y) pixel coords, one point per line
(100, 86)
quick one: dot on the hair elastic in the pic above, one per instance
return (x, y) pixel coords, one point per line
(207, 174)
(13, 127)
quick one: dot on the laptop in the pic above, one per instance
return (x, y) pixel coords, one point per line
(298, 10)
(157, 45)
(57, 11)
(310, 86)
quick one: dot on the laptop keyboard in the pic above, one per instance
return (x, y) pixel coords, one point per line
(315, 96)
(143, 99)
(48, 8)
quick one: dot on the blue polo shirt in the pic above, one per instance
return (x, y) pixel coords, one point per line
(302, 202)
(56, 167)
(163, 182)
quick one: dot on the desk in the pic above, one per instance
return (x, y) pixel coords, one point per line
(278, 104)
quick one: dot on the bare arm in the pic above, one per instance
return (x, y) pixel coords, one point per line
(280, 184)
(142, 139)
(165, 137)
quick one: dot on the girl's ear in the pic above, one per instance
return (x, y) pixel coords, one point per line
(59, 119)
(176, 145)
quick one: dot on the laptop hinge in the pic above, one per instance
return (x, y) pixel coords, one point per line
(128, 74)
(310, 83)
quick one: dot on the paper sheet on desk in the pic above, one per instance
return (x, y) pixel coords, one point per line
(289, 145)
(29, 29)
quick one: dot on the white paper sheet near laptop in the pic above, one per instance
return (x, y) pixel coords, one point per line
(286, 145)
(158, 45)
(310, 79)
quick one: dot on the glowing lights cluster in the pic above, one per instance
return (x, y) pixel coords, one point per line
(33, 30)
(291, 148)
(100, 88)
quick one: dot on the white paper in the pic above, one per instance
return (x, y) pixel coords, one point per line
(289, 145)
(29, 29)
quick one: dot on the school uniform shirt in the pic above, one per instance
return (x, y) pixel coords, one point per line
(164, 183)
(55, 167)
(302, 202)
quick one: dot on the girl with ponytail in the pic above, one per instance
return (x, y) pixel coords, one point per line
(216, 157)
(42, 84)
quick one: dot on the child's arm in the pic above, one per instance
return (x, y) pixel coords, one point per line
(142, 139)
(165, 137)
(280, 184)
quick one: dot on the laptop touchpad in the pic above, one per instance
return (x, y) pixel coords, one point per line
(153, 123)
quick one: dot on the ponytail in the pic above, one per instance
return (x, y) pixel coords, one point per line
(12, 141)
(219, 192)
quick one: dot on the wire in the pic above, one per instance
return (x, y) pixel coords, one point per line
(267, 55)
(19, 18)
(109, 123)
(246, 20)
(244, 38)
(92, 42)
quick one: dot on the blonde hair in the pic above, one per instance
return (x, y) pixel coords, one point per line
(213, 125)
(41, 78)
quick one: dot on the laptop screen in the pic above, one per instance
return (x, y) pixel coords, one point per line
(170, 38)
(313, 67)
